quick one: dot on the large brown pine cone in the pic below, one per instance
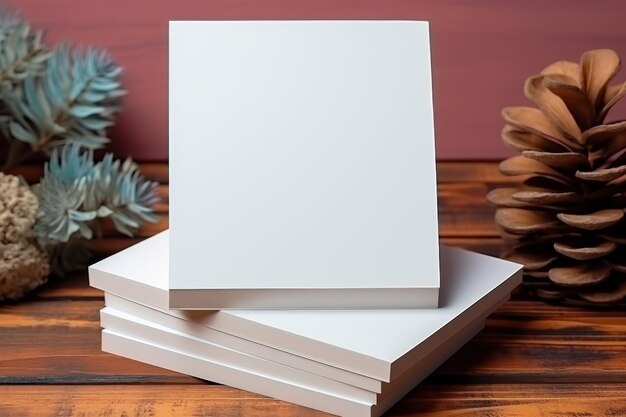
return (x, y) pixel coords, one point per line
(565, 222)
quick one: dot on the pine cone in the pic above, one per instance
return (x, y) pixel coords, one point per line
(565, 222)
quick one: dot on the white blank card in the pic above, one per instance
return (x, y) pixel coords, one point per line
(302, 165)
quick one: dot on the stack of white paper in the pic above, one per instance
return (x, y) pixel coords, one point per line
(304, 261)
(344, 362)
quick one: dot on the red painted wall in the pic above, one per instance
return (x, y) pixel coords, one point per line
(482, 52)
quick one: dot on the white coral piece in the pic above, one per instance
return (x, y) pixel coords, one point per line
(23, 265)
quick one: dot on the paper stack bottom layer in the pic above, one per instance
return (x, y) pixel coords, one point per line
(344, 362)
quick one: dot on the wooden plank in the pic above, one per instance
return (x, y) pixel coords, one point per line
(72, 287)
(513, 400)
(155, 171)
(162, 206)
(58, 340)
(140, 401)
(536, 309)
(569, 355)
(472, 171)
(489, 246)
(146, 230)
(109, 245)
(609, 327)
(427, 400)
(464, 211)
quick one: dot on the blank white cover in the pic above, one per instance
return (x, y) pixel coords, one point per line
(373, 343)
(301, 156)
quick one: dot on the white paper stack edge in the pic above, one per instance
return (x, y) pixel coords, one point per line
(345, 362)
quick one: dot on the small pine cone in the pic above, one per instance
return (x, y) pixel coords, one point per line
(565, 221)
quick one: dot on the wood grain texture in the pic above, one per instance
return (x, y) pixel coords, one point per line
(503, 400)
(481, 52)
(513, 400)
(139, 401)
(532, 359)
(511, 348)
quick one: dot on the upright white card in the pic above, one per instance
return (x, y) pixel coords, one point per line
(302, 165)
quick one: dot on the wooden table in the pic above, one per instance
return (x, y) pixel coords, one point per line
(532, 359)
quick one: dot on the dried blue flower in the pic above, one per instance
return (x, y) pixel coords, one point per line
(74, 101)
(75, 192)
(21, 51)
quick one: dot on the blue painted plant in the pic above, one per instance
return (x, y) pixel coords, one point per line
(76, 194)
(53, 97)
(59, 102)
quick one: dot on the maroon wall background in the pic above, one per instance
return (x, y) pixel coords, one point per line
(482, 52)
